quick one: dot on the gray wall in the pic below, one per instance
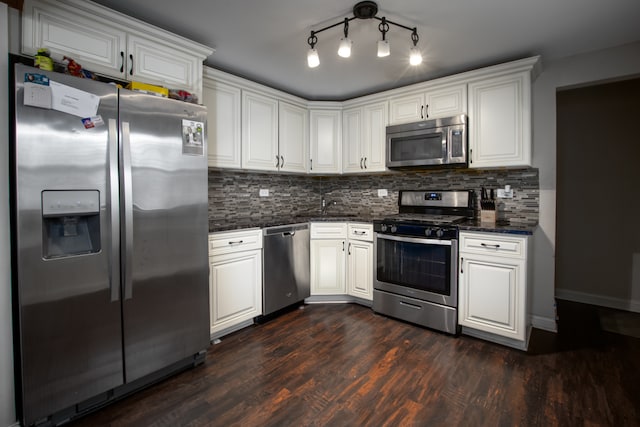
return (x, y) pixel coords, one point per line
(234, 195)
(614, 63)
(598, 237)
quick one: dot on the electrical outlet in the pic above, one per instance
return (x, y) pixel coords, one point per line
(264, 192)
(504, 194)
(382, 193)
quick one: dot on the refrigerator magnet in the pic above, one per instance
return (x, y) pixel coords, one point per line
(91, 122)
(192, 137)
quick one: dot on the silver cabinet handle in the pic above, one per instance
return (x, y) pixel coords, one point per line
(470, 155)
(128, 211)
(349, 250)
(122, 61)
(343, 246)
(359, 233)
(365, 162)
(461, 265)
(426, 109)
(422, 111)
(114, 195)
(282, 161)
(131, 69)
(277, 162)
(236, 242)
(311, 164)
(361, 159)
(489, 246)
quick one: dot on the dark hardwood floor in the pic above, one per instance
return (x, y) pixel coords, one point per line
(343, 365)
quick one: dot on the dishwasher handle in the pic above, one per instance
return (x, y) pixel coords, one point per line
(289, 233)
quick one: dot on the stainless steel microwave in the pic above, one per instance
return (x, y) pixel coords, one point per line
(436, 142)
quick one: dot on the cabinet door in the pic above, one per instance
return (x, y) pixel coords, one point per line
(170, 67)
(326, 145)
(259, 132)
(94, 44)
(360, 269)
(235, 288)
(223, 123)
(328, 267)
(406, 109)
(500, 121)
(352, 141)
(293, 137)
(376, 117)
(492, 295)
(445, 102)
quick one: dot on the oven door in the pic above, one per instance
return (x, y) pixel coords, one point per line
(420, 268)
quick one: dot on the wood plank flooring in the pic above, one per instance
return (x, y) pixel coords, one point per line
(343, 365)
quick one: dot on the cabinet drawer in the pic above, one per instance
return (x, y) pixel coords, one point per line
(328, 230)
(493, 243)
(361, 232)
(234, 241)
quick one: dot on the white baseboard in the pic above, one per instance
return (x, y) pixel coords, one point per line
(544, 323)
(601, 300)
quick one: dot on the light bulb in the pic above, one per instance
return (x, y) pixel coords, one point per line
(415, 57)
(383, 48)
(345, 47)
(313, 60)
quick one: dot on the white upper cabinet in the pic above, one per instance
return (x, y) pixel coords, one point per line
(376, 118)
(500, 121)
(259, 132)
(110, 43)
(293, 132)
(352, 140)
(325, 141)
(430, 104)
(363, 144)
(223, 123)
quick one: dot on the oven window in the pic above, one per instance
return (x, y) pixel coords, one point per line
(431, 146)
(420, 266)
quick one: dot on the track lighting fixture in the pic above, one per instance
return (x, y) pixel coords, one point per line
(364, 10)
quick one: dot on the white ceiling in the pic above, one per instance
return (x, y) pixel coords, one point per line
(266, 40)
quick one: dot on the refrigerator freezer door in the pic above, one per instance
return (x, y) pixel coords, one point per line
(67, 281)
(166, 303)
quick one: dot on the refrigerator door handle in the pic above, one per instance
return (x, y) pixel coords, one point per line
(114, 197)
(127, 253)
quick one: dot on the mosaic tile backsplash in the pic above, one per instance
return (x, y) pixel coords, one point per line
(234, 195)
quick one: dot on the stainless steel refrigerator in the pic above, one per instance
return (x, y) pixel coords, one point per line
(109, 225)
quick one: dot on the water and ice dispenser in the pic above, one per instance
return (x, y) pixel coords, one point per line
(70, 222)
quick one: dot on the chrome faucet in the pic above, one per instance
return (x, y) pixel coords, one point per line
(325, 205)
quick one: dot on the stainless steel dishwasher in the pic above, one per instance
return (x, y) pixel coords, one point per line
(285, 266)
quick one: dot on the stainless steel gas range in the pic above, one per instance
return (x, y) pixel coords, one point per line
(415, 272)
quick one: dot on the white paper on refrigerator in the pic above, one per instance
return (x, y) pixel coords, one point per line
(73, 101)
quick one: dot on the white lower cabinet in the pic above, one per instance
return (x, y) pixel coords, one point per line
(342, 259)
(360, 261)
(235, 279)
(327, 267)
(328, 258)
(493, 287)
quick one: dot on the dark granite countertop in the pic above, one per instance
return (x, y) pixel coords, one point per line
(499, 227)
(274, 221)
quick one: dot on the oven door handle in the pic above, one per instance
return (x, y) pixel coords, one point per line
(416, 240)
